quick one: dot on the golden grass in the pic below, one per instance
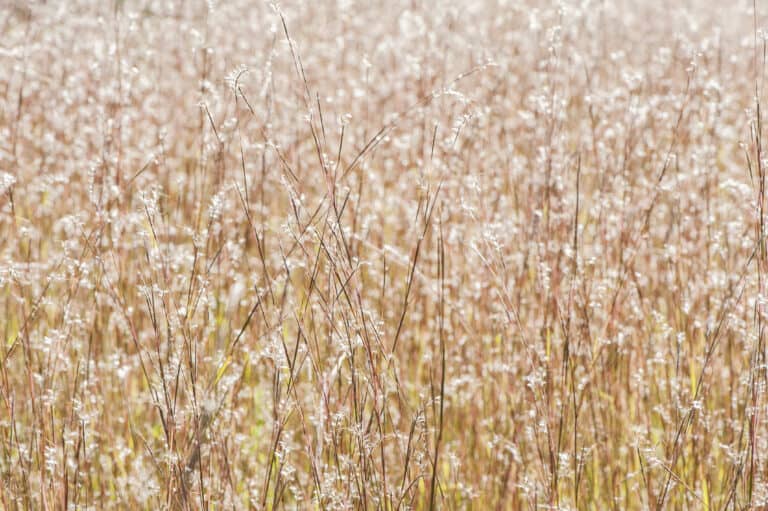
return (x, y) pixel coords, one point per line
(403, 255)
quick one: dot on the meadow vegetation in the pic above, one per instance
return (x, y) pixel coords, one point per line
(383, 255)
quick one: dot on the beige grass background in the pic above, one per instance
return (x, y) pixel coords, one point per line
(382, 255)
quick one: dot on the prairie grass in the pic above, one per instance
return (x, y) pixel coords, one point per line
(389, 255)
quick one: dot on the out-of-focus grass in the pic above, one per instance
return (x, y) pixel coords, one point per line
(413, 255)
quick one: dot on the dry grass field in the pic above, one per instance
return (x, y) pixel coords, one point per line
(486, 255)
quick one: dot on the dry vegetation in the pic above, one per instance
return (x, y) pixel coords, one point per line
(408, 255)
